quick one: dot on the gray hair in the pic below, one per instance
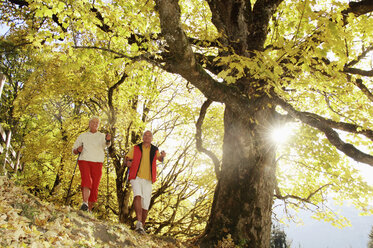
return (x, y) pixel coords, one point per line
(94, 118)
(147, 132)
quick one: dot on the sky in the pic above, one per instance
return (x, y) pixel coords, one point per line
(319, 234)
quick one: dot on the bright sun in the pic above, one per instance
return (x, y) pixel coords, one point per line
(280, 135)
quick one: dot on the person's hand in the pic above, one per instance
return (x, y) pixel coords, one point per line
(80, 149)
(129, 163)
(108, 137)
(163, 154)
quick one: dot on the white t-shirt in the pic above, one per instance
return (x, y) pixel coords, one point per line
(93, 146)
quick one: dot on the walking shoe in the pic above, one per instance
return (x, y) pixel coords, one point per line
(84, 207)
(139, 228)
(141, 231)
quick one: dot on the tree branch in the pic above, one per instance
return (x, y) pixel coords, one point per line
(110, 98)
(262, 12)
(360, 57)
(20, 3)
(104, 27)
(182, 60)
(360, 72)
(325, 126)
(359, 8)
(364, 89)
(199, 142)
(308, 199)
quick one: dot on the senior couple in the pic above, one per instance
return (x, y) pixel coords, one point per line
(141, 160)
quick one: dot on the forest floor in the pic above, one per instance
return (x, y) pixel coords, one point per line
(25, 221)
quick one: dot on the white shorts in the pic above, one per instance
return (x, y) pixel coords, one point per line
(142, 187)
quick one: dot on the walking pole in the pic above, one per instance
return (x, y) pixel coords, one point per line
(107, 183)
(72, 178)
(128, 170)
(162, 183)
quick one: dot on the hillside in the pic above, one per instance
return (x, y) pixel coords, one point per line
(25, 221)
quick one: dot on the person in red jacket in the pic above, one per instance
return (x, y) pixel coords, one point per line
(142, 161)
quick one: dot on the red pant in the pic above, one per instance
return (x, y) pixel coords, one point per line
(91, 173)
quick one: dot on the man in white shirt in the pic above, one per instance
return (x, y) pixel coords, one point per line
(90, 146)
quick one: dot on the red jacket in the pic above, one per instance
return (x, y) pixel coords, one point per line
(137, 155)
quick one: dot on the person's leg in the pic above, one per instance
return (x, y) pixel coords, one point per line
(144, 216)
(138, 207)
(137, 202)
(147, 195)
(90, 205)
(85, 193)
(96, 174)
(86, 182)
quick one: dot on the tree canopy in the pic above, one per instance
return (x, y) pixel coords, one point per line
(233, 70)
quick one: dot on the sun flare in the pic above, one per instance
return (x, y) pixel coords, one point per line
(281, 135)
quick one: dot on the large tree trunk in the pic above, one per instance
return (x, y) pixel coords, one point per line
(244, 193)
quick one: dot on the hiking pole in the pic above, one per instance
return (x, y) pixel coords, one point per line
(72, 178)
(107, 183)
(162, 182)
(127, 172)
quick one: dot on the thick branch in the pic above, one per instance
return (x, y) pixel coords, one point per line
(262, 13)
(181, 60)
(360, 72)
(359, 8)
(199, 142)
(325, 126)
(20, 3)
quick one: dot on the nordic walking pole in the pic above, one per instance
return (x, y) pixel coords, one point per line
(107, 182)
(68, 192)
(128, 170)
(162, 181)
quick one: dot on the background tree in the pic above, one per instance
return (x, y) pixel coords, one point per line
(268, 62)
(278, 238)
(15, 66)
(127, 104)
(370, 244)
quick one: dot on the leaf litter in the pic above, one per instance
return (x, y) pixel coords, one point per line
(25, 221)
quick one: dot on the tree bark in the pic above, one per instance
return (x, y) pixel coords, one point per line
(244, 194)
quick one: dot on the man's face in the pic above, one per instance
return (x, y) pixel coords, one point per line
(148, 137)
(93, 125)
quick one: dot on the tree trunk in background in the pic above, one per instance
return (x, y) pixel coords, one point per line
(2, 83)
(244, 194)
(124, 187)
(123, 196)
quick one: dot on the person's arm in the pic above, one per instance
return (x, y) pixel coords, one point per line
(160, 156)
(78, 145)
(108, 139)
(129, 158)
